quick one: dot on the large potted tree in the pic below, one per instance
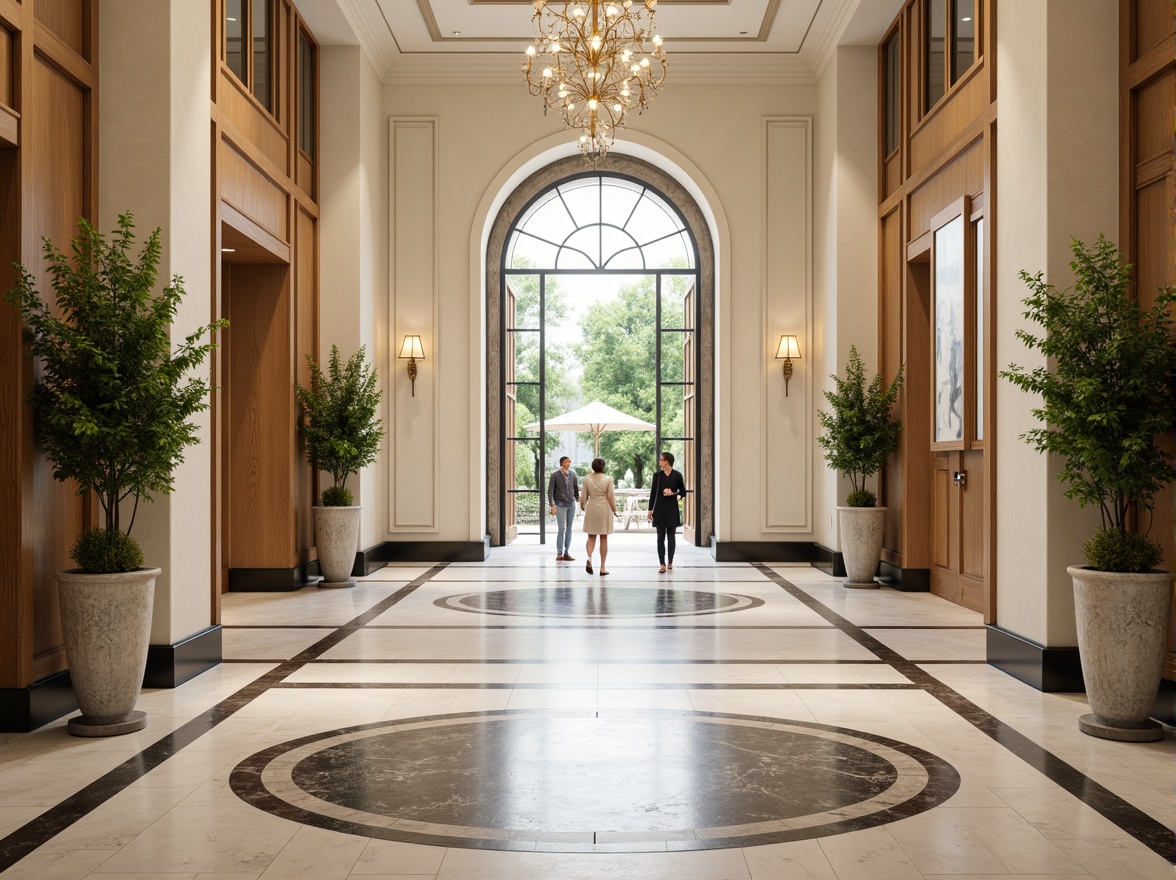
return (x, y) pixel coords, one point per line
(860, 434)
(342, 431)
(1107, 394)
(112, 411)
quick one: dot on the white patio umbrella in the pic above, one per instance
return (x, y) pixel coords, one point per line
(597, 418)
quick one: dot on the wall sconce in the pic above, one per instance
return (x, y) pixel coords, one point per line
(788, 349)
(412, 350)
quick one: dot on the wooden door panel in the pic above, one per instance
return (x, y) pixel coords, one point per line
(972, 538)
(942, 494)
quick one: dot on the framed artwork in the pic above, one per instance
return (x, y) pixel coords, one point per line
(948, 265)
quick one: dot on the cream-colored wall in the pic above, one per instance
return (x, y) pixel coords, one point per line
(480, 130)
(353, 244)
(847, 242)
(1057, 155)
(154, 160)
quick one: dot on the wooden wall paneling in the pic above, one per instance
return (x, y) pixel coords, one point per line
(890, 326)
(306, 342)
(9, 129)
(963, 175)
(915, 449)
(66, 19)
(261, 416)
(1153, 21)
(241, 112)
(1153, 117)
(953, 116)
(243, 185)
(6, 62)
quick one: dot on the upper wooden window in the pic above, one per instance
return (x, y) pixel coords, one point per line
(950, 45)
(251, 48)
(891, 95)
(307, 77)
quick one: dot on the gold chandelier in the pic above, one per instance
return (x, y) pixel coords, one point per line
(599, 59)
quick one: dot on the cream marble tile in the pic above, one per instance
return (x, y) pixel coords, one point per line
(119, 820)
(801, 860)
(1012, 839)
(391, 857)
(69, 864)
(314, 852)
(868, 855)
(1125, 864)
(939, 842)
(269, 644)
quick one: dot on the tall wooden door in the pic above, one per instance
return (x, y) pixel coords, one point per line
(959, 498)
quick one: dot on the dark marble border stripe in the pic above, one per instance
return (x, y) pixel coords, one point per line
(617, 626)
(1150, 832)
(53, 821)
(627, 661)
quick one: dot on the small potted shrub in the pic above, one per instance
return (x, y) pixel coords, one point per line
(112, 412)
(860, 433)
(1107, 398)
(342, 432)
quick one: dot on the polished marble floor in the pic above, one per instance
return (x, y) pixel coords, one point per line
(521, 719)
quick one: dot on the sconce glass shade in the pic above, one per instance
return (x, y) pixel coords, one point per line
(789, 348)
(412, 348)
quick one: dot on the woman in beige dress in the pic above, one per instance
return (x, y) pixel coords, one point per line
(596, 501)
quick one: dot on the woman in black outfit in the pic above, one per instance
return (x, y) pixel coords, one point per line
(668, 486)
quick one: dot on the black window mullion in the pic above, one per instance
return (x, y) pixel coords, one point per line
(658, 366)
(542, 475)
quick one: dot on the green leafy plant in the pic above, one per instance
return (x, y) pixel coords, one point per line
(860, 433)
(113, 405)
(340, 424)
(1109, 394)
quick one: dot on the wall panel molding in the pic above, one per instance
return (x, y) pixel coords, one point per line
(787, 298)
(414, 437)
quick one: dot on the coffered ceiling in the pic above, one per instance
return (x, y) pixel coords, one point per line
(483, 40)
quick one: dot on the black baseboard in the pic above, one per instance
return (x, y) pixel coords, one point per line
(169, 666)
(272, 580)
(431, 551)
(1165, 709)
(367, 561)
(829, 561)
(1052, 670)
(25, 709)
(908, 580)
(764, 551)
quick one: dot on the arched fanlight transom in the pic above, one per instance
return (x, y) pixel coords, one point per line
(598, 222)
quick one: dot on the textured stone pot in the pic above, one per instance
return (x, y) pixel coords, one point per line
(336, 535)
(1122, 635)
(861, 543)
(106, 620)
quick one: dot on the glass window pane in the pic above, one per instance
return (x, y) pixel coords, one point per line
(675, 290)
(630, 258)
(525, 290)
(527, 252)
(963, 37)
(674, 348)
(620, 197)
(263, 53)
(548, 219)
(935, 51)
(978, 367)
(612, 241)
(949, 330)
(892, 96)
(651, 221)
(583, 199)
(306, 83)
(234, 28)
(582, 250)
(668, 253)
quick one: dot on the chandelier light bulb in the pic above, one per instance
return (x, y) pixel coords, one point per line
(547, 73)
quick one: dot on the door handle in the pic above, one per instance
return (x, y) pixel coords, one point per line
(960, 478)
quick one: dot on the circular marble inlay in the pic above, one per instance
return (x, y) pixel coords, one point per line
(597, 602)
(590, 781)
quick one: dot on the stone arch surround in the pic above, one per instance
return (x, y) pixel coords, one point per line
(673, 190)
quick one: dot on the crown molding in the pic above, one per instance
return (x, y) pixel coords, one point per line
(486, 68)
(368, 33)
(820, 47)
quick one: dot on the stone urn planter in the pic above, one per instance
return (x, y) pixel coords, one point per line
(861, 544)
(106, 619)
(1122, 636)
(336, 534)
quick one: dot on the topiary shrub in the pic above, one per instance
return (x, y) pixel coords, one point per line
(98, 551)
(337, 496)
(1113, 550)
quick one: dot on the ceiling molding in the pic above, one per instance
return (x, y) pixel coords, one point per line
(370, 34)
(819, 47)
(484, 69)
